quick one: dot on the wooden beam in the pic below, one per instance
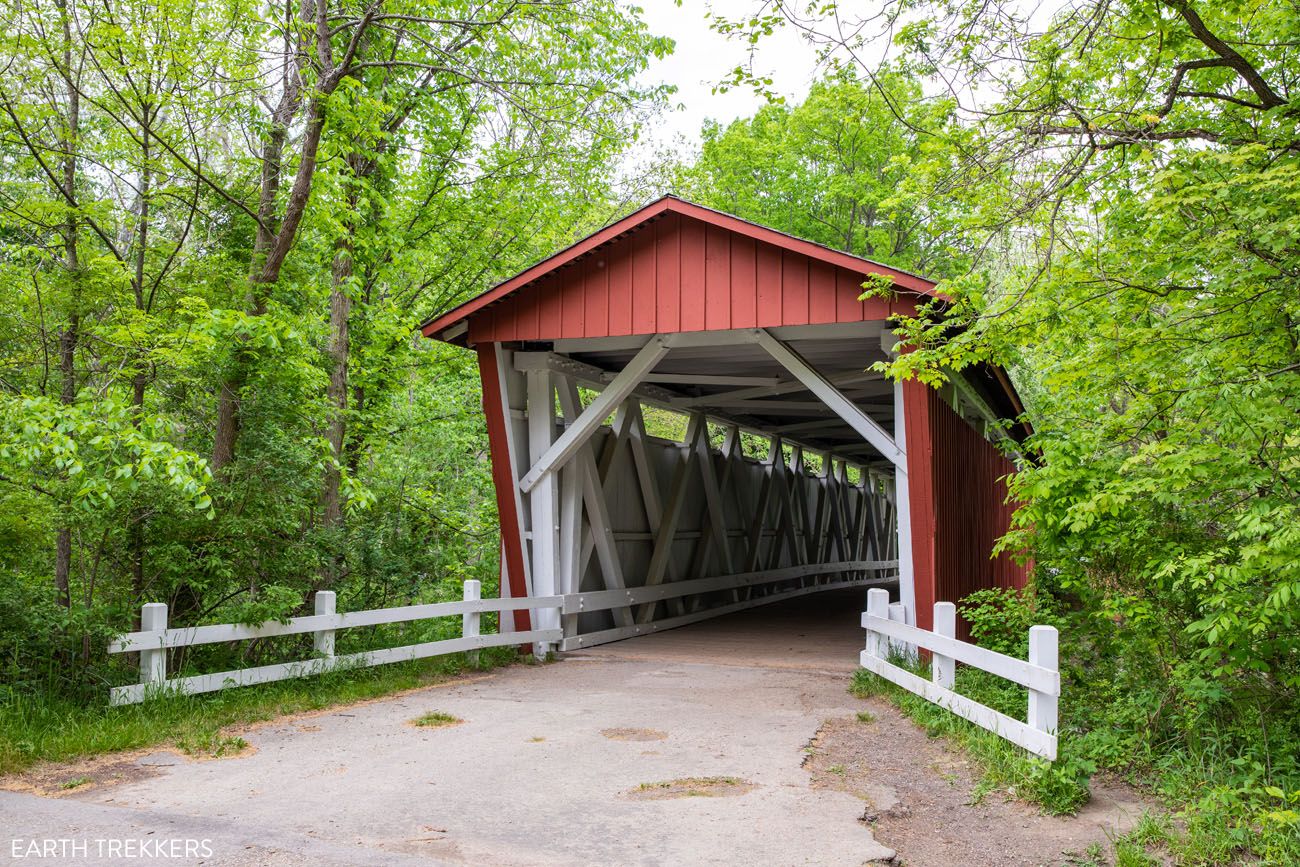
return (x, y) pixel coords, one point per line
(835, 399)
(605, 403)
(542, 499)
(592, 494)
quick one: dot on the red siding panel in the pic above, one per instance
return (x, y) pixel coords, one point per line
(620, 291)
(769, 310)
(743, 272)
(641, 268)
(503, 480)
(692, 275)
(596, 292)
(668, 264)
(550, 307)
(959, 507)
(573, 303)
(921, 496)
(794, 289)
(821, 292)
(717, 279)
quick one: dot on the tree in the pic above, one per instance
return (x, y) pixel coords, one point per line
(222, 224)
(855, 166)
(1134, 168)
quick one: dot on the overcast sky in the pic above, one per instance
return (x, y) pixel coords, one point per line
(703, 58)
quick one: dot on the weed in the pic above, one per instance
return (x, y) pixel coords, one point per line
(60, 729)
(866, 716)
(73, 783)
(435, 719)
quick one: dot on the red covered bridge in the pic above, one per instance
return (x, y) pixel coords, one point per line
(684, 423)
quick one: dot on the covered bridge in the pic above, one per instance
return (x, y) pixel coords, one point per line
(683, 423)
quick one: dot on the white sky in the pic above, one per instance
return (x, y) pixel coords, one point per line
(703, 58)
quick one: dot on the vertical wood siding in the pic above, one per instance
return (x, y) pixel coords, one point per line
(959, 507)
(679, 274)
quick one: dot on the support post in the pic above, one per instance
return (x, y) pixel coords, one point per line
(943, 669)
(322, 641)
(1043, 652)
(877, 606)
(542, 499)
(903, 508)
(470, 620)
(153, 663)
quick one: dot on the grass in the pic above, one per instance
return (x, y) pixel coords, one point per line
(59, 730)
(1217, 823)
(695, 787)
(436, 719)
(1059, 788)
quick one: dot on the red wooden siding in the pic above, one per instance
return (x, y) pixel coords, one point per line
(958, 506)
(503, 480)
(677, 273)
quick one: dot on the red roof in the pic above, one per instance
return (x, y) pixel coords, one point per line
(824, 257)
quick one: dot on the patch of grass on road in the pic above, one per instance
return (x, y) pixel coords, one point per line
(692, 787)
(436, 719)
(59, 730)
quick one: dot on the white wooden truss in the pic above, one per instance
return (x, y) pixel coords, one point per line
(640, 533)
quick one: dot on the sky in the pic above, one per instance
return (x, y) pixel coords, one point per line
(703, 58)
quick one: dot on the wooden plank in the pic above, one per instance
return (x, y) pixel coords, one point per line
(192, 635)
(201, 683)
(1037, 678)
(543, 500)
(601, 600)
(1037, 742)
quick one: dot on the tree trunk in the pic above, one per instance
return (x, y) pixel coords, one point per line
(70, 335)
(337, 393)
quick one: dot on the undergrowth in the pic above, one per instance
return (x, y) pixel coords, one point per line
(1225, 771)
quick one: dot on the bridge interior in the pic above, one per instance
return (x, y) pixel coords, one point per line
(678, 478)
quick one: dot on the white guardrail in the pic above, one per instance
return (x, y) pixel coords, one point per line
(1040, 674)
(154, 640)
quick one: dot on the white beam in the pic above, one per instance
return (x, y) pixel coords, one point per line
(835, 400)
(542, 500)
(762, 382)
(903, 512)
(586, 424)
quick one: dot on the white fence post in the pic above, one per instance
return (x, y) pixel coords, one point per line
(1043, 652)
(943, 669)
(323, 640)
(898, 614)
(877, 606)
(153, 663)
(469, 621)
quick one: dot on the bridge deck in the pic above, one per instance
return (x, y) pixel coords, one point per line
(821, 631)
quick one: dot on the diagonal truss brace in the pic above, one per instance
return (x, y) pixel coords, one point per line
(846, 409)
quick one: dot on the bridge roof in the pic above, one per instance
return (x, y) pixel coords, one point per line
(675, 266)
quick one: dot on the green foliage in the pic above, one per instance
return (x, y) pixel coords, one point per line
(182, 266)
(1129, 174)
(37, 728)
(1058, 787)
(855, 166)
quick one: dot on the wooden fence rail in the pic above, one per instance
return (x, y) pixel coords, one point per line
(154, 639)
(1039, 674)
